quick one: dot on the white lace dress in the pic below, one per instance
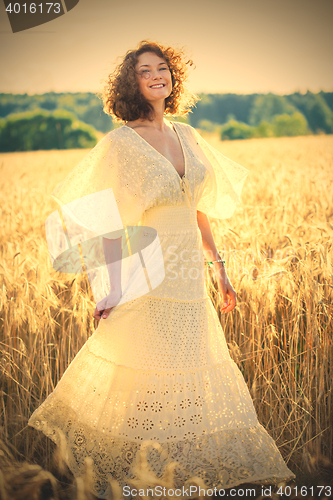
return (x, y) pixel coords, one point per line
(155, 384)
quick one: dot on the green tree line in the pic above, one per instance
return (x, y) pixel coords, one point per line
(86, 106)
(245, 116)
(40, 129)
(68, 120)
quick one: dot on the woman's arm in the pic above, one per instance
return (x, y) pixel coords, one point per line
(211, 253)
(113, 254)
(208, 243)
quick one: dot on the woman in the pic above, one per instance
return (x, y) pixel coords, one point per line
(153, 397)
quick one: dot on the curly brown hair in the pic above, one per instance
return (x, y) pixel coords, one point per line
(122, 98)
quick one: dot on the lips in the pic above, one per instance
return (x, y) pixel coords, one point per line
(157, 86)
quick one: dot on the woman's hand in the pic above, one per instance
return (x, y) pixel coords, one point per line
(228, 294)
(105, 305)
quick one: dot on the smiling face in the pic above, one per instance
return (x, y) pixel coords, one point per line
(154, 77)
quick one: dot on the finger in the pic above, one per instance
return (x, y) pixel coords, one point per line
(232, 300)
(106, 312)
(231, 305)
(97, 313)
(228, 309)
(224, 300)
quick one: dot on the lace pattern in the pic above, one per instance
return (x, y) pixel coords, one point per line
(222, 459)
(203, 419)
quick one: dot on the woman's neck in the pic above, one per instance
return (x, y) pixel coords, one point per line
(158, 120)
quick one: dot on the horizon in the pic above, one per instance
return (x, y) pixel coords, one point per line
(198, 93)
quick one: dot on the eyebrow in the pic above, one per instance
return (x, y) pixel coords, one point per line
(148, 65)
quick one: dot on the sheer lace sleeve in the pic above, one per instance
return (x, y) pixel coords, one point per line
(103, 192)
(222, 189)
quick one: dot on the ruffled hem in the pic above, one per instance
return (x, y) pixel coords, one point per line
(220, 460)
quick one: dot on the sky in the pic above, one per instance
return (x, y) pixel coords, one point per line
(238, 46)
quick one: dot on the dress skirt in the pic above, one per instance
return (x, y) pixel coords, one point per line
(153, 397)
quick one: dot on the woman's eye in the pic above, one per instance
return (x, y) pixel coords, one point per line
(164, 68)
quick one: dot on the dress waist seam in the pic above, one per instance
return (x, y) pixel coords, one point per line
(169, 299)
(175, 232)
(193, 371)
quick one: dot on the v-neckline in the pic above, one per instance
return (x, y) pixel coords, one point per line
(160, 154)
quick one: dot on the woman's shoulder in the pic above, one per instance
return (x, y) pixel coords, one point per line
(116, 136)
(187, 130)
(185, 127)
(116, 133)
(182, 125)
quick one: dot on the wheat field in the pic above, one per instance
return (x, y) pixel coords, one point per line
(278, 252)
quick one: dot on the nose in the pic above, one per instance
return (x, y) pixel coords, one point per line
(155, 75)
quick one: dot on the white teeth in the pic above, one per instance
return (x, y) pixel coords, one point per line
(157, 86)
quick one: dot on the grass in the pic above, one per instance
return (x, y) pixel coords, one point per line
(278, 252)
